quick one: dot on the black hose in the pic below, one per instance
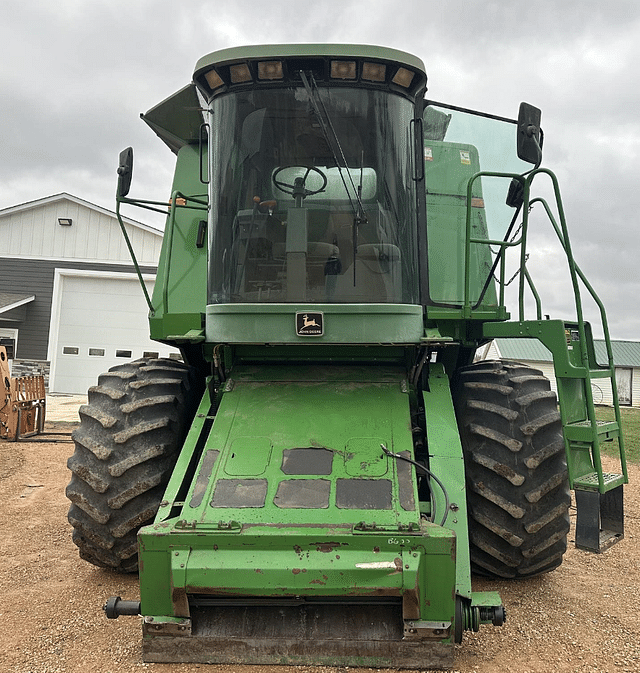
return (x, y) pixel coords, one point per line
(430, 475)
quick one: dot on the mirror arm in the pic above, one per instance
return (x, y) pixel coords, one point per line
(147, 205)
(532, 132)
(133, 256)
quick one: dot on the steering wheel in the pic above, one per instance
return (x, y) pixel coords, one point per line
(297, 188)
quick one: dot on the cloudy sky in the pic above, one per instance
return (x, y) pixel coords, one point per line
(75, 75)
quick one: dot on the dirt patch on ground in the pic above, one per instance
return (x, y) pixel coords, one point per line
(582, 617)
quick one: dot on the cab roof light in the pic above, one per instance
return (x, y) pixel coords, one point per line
(213, 79)
(403, 77)
(374, 72)
(240, 73)
(270, 70)
(343, 69)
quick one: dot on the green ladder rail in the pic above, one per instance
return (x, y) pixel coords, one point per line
(598, 494)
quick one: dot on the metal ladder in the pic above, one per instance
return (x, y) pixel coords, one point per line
(598, 494)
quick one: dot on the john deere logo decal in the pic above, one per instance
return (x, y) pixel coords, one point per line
(309, 323)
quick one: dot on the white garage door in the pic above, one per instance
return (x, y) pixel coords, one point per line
(101, 322)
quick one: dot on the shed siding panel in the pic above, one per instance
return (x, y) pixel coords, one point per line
(42, 236)
(602, 389)
(94, 236)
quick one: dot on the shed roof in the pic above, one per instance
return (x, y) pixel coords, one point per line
(625, 353)
(11, 300)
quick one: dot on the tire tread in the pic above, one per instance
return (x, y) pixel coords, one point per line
(517, 482)
(126, 446)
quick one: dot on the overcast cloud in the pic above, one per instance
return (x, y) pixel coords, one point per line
(75, 75)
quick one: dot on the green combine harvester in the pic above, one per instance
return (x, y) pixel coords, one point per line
(319, 478)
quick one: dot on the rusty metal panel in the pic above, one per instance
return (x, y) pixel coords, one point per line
(22, 403)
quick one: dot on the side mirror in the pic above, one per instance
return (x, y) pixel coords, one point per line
(515, 196)
(125, 172)
(529, 134)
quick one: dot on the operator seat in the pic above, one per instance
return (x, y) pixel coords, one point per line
(378, 275)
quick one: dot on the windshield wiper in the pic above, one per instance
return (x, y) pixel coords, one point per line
(330, 135)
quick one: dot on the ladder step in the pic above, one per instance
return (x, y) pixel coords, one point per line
(600, 519)
(589, 482)
(605, 373)
(582, 431)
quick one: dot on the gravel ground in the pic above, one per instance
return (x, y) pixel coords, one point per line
(581, 617)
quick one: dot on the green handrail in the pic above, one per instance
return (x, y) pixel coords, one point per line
(609, 349)
(576, 276)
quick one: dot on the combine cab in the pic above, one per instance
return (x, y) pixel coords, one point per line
(319, 478)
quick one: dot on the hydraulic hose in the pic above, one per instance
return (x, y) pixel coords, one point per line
(430, 475)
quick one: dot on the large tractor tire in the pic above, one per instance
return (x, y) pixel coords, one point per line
(517, 481)
(126, 446)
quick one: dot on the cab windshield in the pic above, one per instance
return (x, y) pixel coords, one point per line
(312, 197)
(458, 145)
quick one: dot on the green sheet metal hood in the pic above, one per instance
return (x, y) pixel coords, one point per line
(177, 119)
